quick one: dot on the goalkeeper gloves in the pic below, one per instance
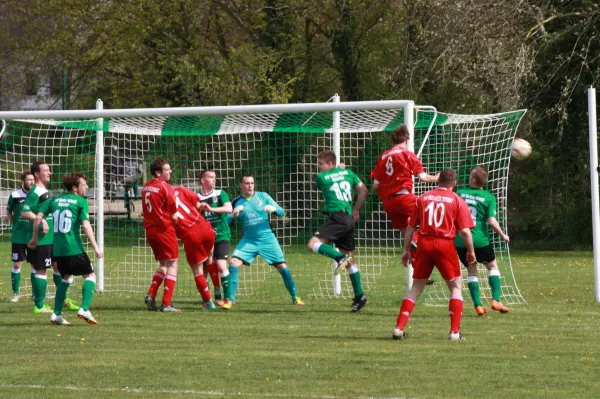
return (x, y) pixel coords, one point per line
(269, 208)
(237, 210)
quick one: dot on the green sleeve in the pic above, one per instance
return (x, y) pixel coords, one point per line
(30, 202)
(224, 198)
(85, 209)
(11, 204)
(492, 207)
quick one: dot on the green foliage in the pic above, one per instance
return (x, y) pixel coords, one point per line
(494, 57)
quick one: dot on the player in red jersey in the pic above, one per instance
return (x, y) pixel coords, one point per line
(197, 235)
(393, 180)
(158, 203)
(441, 214)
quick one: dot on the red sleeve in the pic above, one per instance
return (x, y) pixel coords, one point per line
(191, 198)
(416, 165)
(464, 218)
(170, 204)
(376, 170)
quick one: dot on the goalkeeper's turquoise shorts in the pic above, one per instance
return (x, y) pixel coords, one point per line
(268, 249)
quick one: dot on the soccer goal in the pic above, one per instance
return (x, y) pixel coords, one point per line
(278, 145)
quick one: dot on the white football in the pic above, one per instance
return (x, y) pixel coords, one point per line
(520, 149)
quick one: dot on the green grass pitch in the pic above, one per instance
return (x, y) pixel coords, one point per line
(265, 347)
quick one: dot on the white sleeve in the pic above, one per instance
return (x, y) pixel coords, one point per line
(422, 175)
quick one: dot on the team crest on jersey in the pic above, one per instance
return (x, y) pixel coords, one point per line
(259, 202)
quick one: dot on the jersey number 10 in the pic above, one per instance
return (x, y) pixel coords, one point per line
(435, 211)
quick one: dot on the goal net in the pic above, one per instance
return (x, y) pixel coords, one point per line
(279, 148)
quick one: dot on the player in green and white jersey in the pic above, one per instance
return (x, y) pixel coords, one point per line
(482, 205)
(21, 232)
(336, 185)
(70, 212)
(217, 264)
(41, 257)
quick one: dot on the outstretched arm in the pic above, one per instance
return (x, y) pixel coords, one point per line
(426, 178)
(496, 226)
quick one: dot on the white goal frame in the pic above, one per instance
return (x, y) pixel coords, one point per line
(99, 114)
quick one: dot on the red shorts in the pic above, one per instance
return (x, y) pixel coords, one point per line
(163, 242)
(197, 244)
(438, 252)
(399, 209)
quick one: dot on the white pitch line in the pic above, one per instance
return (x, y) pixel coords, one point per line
(177, 392)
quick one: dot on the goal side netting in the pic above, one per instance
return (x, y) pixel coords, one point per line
(280, 150)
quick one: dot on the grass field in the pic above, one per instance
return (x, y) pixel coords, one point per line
(549, 348)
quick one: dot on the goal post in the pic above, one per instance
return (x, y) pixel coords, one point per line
(277, 144)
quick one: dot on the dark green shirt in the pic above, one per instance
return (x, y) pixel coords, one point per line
(336, 185)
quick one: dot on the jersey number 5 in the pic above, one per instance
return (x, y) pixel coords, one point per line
(147, 202)
(435, 211)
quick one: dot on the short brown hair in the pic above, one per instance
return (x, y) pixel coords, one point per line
(25, 174)
(400, 135)
(36, 167)
(447, 177)
(205, 171)
(244, 176)
(72, 180)
(479, 175)
(327, 156)
(157, 166)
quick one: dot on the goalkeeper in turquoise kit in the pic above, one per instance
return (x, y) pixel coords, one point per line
(253, 210)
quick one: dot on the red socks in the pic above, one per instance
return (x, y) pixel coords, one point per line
(405, 310)
(170, 282)
(202, 287)
(157, 280)
(213, 271)
(455, 307)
